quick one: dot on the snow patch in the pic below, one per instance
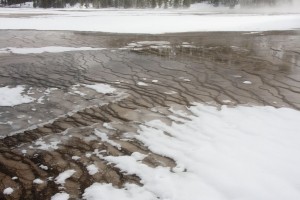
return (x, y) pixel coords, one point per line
(105, 138)
(136, 21)
(138, 156)
(99, 191)
(61, 178)
(44, 167)
(38, 181)
(60, 196)
(8, 191)
(170, 92)
(101, 88)
(75, 157)
(40, 144)
(49, 49)
(142, 83)
(92, 169)
(231, 153)
(11, 96)
(247, 82)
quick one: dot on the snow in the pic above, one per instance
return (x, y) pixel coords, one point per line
(38, 181)
(99, 191)
(147, 21)
(226, 101)
(75, 157)
(105, 138)
(40, 144)
(170, 92)
(48, 49)
(92, 169)
(60, 196)
(142, 84)
(61, 178)
(247, 82)
(101, 88)
(138, 156)
(228, 153)
(8, 191)
(44, 167)
(11, 96)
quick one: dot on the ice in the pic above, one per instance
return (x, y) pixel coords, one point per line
(148, 21)
(11, 96)
(102, 88)
(61, 178)
(231, 153)
(50, 49)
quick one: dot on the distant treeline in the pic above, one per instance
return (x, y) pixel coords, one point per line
(138, 3)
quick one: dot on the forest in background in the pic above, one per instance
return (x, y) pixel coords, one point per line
(139, 3)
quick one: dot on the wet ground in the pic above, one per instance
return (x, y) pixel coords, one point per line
(60, 129)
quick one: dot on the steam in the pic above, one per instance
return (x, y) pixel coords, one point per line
(281, 7)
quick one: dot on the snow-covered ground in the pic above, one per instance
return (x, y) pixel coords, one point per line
(11, 96)
(145, 21)
(49, 49)
(232, 153)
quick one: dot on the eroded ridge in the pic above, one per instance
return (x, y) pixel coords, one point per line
(71, 127)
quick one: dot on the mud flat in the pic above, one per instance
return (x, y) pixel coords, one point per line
(88, 93)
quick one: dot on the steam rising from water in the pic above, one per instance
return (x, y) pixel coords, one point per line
(281, 7)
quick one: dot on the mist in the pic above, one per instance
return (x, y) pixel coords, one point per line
(281, 7)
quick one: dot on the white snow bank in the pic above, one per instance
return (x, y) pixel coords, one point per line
(232, 153)
(49, 49)
(61, 178)
(99, 191)
(155, 21)
(60, 196)
(13, 96)
(101, 88)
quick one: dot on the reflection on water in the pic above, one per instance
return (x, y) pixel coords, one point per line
(265, 48)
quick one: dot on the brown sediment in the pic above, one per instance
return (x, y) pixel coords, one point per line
(194, 67)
